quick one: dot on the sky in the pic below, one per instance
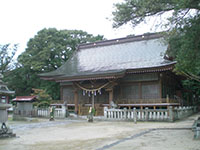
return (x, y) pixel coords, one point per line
(22, 19)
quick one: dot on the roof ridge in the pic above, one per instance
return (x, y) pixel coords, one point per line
(142, 37)
(28, 96)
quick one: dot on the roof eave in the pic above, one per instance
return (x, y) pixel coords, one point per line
(7, 92)
(23, 100)
(114, 75)
(91, 77)
(153, 69)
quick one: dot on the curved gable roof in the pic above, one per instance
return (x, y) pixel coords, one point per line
(113, 57)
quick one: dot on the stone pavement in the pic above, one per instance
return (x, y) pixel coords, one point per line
(78, 134)
(43, 124)
(177, 136)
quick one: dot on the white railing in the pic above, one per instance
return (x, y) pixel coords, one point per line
(149, 114)
(41, 112)
(60, 113)
(183, 112)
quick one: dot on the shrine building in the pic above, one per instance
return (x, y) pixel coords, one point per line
(128, 72)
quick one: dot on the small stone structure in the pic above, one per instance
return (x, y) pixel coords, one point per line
(24, 107)
(25, 103)
(196, 129)
(4, 92)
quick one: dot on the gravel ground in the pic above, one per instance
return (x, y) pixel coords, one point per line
(101, 135)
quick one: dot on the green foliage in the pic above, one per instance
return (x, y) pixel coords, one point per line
(18, 81)
(7, 52)
(184, 46)
(47, 51)
(50, 48)
(43, 104)
(136, 11)
(193, 86)
(42, 95)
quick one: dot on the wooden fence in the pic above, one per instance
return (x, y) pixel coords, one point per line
(40, 112)
(146, 114)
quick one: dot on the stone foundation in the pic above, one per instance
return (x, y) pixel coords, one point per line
(8, 134)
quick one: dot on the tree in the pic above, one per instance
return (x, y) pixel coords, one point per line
(47, 51)
(185, 48)
(44, 99)
(7, 52)
(50, 48)
(136, 11)
(41, 95)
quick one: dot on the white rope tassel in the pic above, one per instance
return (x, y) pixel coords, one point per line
(95, 93)
(99, 91)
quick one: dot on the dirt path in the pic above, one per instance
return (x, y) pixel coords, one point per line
(101, 135)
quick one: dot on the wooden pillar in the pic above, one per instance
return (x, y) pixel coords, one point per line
(92, 100)
(61, 93)
(7, 99)
(79, 110)
(160, 85)
(110, 96)
(140, 90)
(76, 101)
(188, 100)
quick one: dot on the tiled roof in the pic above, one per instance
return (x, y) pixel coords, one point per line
(24, 98)
(113, 57)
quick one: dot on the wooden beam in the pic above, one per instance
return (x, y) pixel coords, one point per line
(7, 99)
(92, 100)
(140, 90)
(76, 101)
(79, 109)
(110, 89)
(110, 95)
(160, 84)
(75, 98)
(61, 93)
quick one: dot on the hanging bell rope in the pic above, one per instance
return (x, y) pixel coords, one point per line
(92, 90)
